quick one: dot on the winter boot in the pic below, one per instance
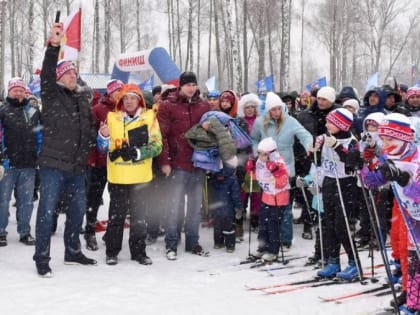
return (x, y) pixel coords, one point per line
(3, 240)
(44, 270)
(401, 300)
(408, 311)
(269, 257)
(313, 260)
(170, 254)
(79, 259)
(350, 273)
(91, 243)
(330, 270)
(111, 260)
(307, 231)
(143, 259)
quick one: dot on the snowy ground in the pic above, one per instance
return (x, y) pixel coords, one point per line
(190, 285)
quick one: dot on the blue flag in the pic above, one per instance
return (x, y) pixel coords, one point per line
(372, 82)
(148, 84)
(211, 84)
(321, 82)
(264, 85)
(35, 85)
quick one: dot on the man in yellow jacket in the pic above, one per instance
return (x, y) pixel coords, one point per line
(133, 138)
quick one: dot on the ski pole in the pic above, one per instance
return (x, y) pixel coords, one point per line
(346, 221)
(318, 208)
(374, 222)
(249, 207)
(305, 197)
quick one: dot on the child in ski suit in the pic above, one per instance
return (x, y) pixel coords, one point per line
(401, 166)
(340, 156)
(273, 178)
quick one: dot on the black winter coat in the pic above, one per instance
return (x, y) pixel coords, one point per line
(69, 131)
(20, 123)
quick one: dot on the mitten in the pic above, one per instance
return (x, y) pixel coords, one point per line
(114, 155)
(354, 161)
(392, 173)
(274, 168)
(368, 154)
(331, 141)
(130, 153)
(250, 165)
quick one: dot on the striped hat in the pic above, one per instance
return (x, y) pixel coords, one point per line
(62, 67)
(396, 126)
(341, 118)
(113, 85)
(16, 82)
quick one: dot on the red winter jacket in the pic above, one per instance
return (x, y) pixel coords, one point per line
(100, 113)
(176, 115)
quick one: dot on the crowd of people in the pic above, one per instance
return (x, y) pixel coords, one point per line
(213, 156)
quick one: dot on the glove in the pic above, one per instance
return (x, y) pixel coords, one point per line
(368, 154)
(392, 173)
(250, 165)
(1, 172)
(129, 153)
(354, 161)
(238, 213)
(114, 155)
(319, 141)
(300, 182)
(331, 141)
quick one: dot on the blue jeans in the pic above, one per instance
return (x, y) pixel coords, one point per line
(24, 180)
(183, 183)
(54, 185)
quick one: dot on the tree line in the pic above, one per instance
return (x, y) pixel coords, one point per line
(239, 42)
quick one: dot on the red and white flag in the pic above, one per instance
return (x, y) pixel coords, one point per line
(71, 42)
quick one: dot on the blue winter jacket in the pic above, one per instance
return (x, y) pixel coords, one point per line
(285, 139)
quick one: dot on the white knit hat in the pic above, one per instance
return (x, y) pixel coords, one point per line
(247, 100)
(267, 145)
(273, 100)
(327, 92)
(353, 104)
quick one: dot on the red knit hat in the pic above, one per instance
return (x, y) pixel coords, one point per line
(16, 82)
(396, 126)
(113, 85)
(341, 118)
(227, 96)
(62, 67)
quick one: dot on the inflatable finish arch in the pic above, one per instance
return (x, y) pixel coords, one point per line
(156, 59)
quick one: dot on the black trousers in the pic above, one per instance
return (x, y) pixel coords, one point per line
(336, 233)
(97, 178)
(127, 199)
(224, 231)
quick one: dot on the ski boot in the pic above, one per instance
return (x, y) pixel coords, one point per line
(401, 300)
(350, 273)
(396, 273)
(330, 270)
(408, 311)
(269, 257)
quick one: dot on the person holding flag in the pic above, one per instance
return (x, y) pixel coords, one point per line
(69, 134)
